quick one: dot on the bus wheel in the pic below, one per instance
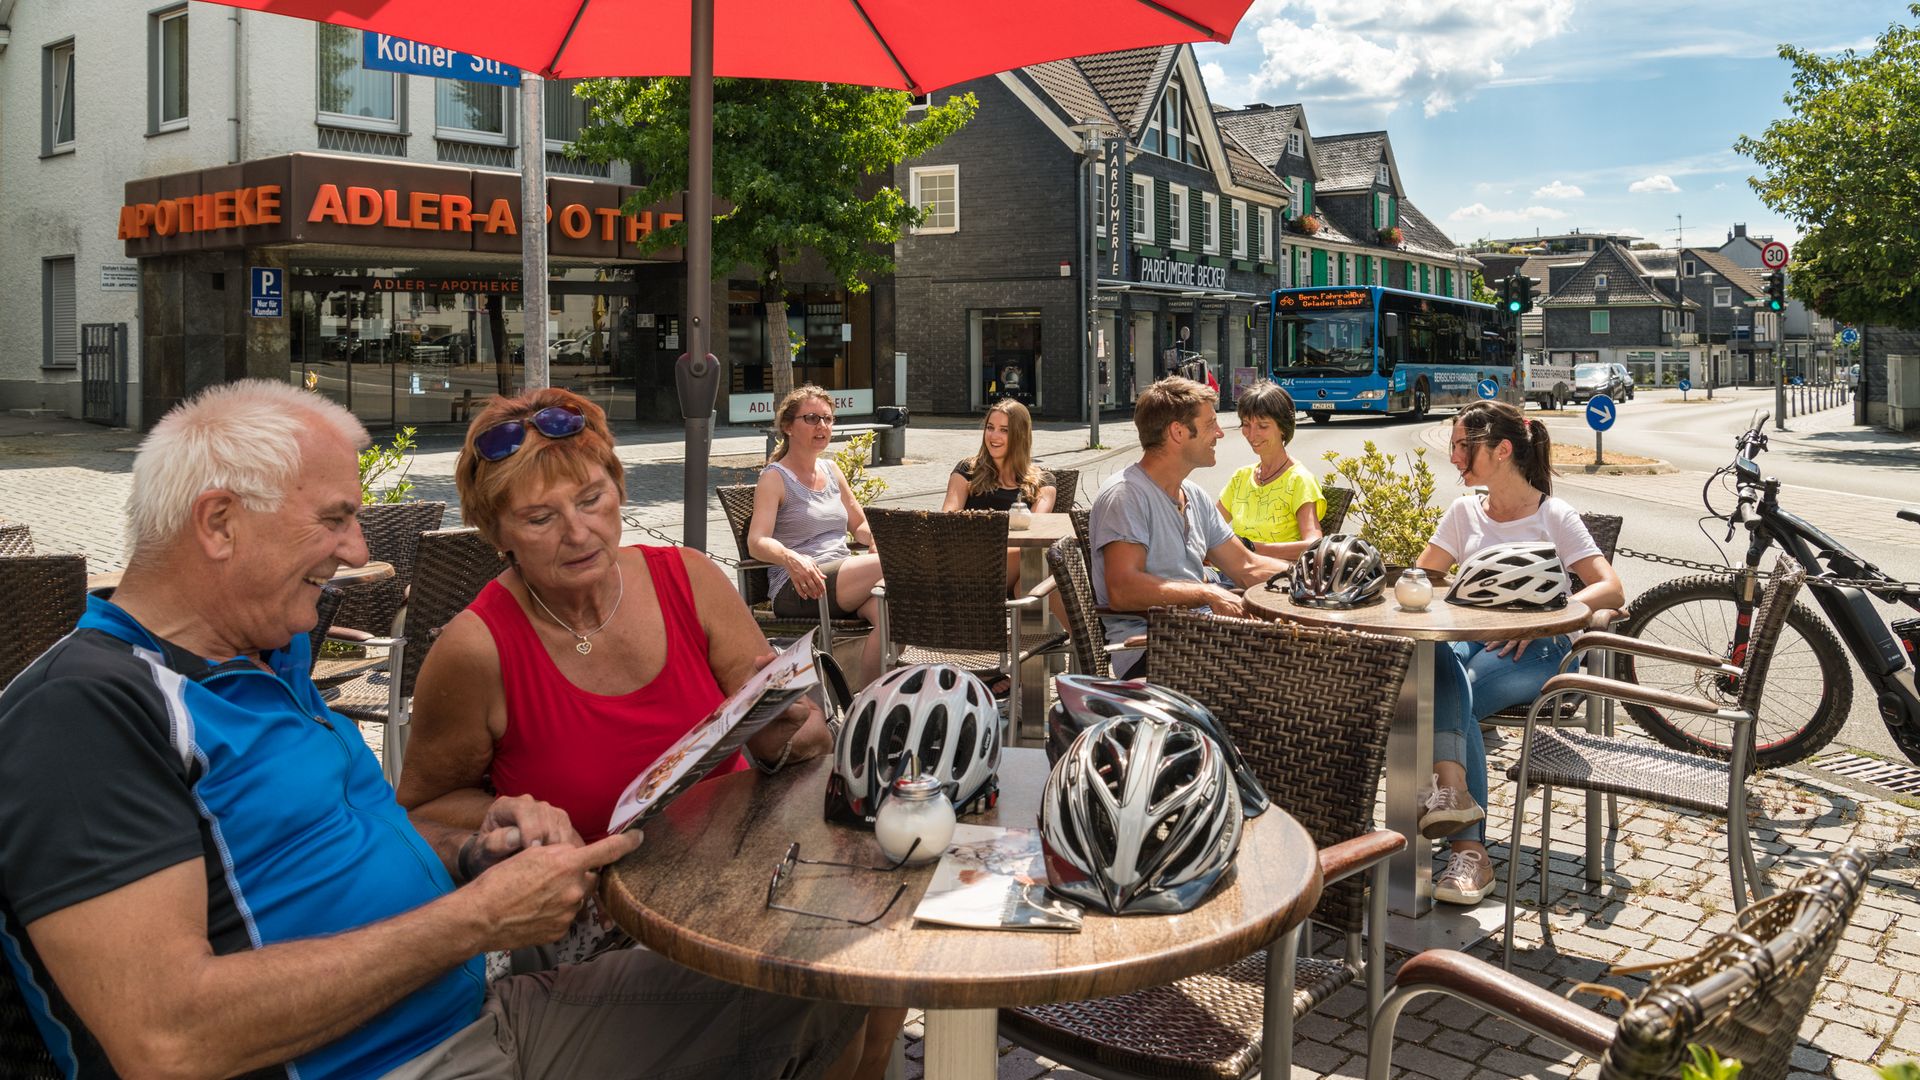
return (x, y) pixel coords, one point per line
(1421, 402)
(1322, 417)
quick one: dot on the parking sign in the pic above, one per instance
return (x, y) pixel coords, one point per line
(266, 292)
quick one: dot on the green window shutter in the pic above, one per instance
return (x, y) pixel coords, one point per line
(1319, 267)
(1306, 197)
(1196, 223)
(1226, 228)
(1373, 210)
(1393, 210)
(1413, 280)
(1446, 282)
(1162, 214)
(1426, 281)
(1256, 247)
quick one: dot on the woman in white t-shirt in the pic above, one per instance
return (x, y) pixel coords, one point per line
(1496, 447)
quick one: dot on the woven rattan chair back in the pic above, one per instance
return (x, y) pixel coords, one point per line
(393, 537)
(1769, 619)
(22, 1050)
(1745, 996)
(327, 607)
(946, 577)
(1066, 487)
(15, 539)
(1309, 709)
(43, 596)
(1339, 500)
(452, 566)
(1605, 530)
(1075, 585)
(736, 501)
(1083, 531)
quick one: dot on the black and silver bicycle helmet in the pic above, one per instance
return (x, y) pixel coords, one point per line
(1082, 701)
(1338, 571)
(1139, 816)
(936, 714)
(1523, 575)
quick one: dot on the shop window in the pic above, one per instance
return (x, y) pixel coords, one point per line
(936, 191)
(56, 98)
(1599, 322)
(1210, 218)
(1177, 210)
(167, 70)
(348, 94)
(1007, 356)
(59, 326)
(470, 111)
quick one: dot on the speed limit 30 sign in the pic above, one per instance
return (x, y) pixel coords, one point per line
(1774, 255)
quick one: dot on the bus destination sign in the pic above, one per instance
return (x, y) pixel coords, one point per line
(1323, 301)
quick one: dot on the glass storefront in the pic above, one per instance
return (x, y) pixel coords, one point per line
(1006, 356)
(400, 345)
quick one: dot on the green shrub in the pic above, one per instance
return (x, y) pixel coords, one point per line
(1707, 1065)
(1391, 505)
(853, 464)
(376, 461)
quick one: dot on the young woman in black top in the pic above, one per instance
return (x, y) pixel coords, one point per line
(1001, 472)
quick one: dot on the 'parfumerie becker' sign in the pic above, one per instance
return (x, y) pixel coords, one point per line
(1173, 272)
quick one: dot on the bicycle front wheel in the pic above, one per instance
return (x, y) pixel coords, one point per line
(1809, 688)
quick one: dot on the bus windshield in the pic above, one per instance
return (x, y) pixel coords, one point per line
(1328, 343)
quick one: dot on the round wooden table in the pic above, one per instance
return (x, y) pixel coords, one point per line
(345, 577)
(1410, 743)
(696, 892)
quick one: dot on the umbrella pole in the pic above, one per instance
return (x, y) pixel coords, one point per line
(697, 374)
(533, 232)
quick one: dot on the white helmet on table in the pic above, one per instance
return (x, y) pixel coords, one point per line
(1524, 575)
(938, 715)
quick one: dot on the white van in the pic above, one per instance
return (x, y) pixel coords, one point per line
(1548, 382)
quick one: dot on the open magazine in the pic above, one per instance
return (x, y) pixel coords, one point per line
(995, 879)
(766, 695)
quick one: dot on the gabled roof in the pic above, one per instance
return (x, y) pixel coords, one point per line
(1624, 285)
(1247, 170)
(1347, 162)
(1731, 272)
(1263, 130)
(1351, 216)
(1129, 81)
(1420, 236)
(1067, 85)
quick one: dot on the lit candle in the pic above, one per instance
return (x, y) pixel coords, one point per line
(916, 808)
(1413, 590)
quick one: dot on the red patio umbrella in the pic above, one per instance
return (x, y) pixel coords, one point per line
(908, 45)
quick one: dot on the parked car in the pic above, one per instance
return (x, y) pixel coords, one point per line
(1612, 380)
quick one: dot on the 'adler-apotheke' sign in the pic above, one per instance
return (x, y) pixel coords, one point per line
(1173, 272)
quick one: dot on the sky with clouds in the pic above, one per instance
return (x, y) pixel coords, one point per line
(1543, 116)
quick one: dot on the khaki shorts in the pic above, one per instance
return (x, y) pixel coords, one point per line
(633, 1013)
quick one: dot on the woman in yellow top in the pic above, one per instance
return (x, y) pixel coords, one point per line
(1274, 506)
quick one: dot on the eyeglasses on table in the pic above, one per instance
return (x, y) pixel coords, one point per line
(784, 869)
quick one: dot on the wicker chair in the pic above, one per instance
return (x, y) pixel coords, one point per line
(944, 596)
(451, 568)
(393, 536)
(754, 581)
(1605, 530)
(1313, 750)
(1075, 583)
(15, 539)
(1083, 532)
(1744, 994)
(22, 1051)
(1066, 486)
(1555, 757)
(45, 595)
(1339, 500)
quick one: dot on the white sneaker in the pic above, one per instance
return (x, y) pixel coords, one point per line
(1444, 811)
(1467, 878)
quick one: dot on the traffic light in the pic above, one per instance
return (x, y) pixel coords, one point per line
(1510, 299)
(1777, 291)
(1524, 286)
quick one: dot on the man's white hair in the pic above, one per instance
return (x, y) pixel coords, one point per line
(242, 437)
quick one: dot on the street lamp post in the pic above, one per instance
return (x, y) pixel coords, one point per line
(1706, 336)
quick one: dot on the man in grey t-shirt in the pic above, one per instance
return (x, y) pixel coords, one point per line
(1153, 531)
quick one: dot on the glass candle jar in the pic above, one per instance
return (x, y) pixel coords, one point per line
(1413, 591)
(916, 808)
(1019, 516)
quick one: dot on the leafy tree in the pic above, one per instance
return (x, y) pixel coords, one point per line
(1480, 293)
(1845, 167)
(793, 169)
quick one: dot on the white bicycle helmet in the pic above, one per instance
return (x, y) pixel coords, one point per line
(1140, 816)
(1084, 700)
(1338, 571)
(934, 717)
(1524, 575)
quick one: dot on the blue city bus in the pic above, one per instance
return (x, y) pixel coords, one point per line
(1384, 352)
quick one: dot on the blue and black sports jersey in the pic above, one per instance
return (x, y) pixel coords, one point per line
(122, 755)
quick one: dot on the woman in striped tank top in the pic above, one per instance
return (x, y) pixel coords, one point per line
(803, 511)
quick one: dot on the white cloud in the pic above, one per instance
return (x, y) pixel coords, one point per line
(1558, 190)
(1658, 182)
(1481, 214)
(1365, 58)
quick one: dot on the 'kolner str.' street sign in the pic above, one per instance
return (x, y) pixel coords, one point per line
(384, 52)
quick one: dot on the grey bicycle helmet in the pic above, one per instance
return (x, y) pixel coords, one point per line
(1338, 571)
(1139, 816)
(936, 714)
(1082, 701)
(1523, 575)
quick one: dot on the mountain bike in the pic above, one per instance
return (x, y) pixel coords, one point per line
(1809, 687)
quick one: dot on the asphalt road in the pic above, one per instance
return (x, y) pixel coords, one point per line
(1844, 480)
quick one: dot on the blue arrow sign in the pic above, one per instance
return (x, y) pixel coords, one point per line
(1849, 336)
(1798, 381)
(1600, 412)
(1489, 389)
(1686, 385)
(384, 52)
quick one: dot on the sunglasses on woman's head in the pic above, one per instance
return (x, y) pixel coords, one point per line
(554, 421)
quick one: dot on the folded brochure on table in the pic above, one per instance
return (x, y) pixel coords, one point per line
(764, 696)
(995, 879)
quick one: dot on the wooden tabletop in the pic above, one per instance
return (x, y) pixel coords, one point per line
(342, 578)
(1441, 621)
(1045, 529)
(696, 892)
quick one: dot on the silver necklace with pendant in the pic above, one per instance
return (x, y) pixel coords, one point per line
(584, 646)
